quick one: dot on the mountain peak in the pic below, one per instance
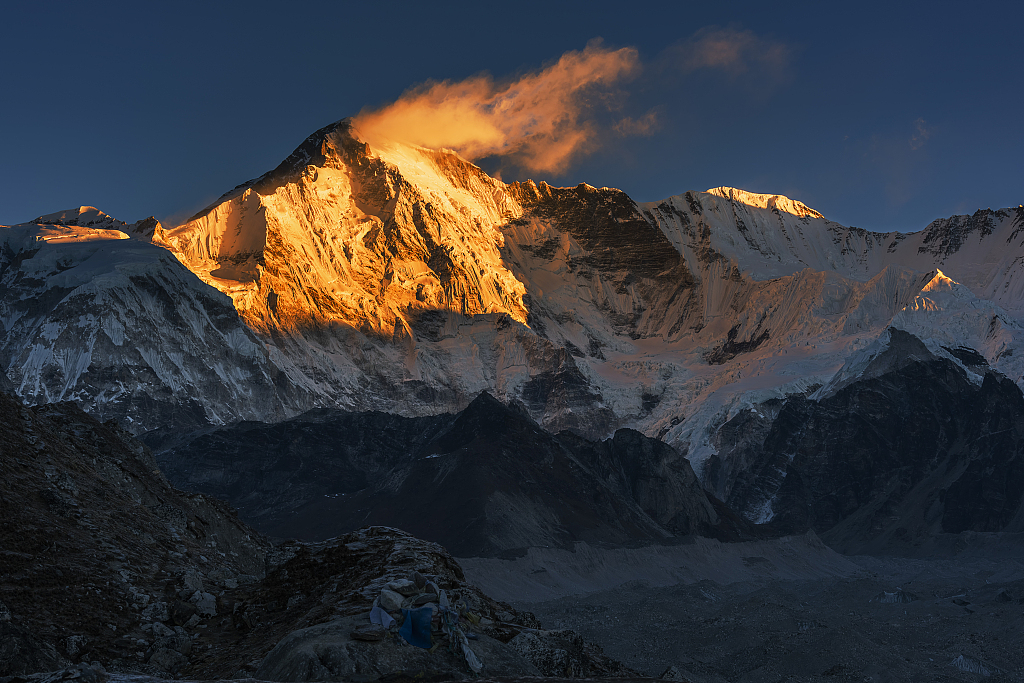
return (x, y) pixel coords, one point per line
(766, 201)
(96, 225)
(84, 216)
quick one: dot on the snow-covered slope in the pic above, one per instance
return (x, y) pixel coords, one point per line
(92, 312)
(813, 293)
(407, 280)
(771, 236)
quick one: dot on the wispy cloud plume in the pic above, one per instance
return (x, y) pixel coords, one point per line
(545, 120)
(539, 120)
(648, 124)
(734, 52)
(922, 131)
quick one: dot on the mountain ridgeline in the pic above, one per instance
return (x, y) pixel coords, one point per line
(562, 357)
(485, 482)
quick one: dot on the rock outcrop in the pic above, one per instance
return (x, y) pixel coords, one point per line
(908, 444)
(314, 609)
(106, 567)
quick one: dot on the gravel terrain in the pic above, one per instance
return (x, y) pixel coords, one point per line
(963, 615)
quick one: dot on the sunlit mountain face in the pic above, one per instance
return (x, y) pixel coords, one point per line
(405, 279)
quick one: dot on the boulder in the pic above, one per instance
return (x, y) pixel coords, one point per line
(74, 645)
(672, 674)
(223, 578)
(206, 603)
(403, 587)
(157, 611)
(181, 612)
(192, 580)
(176, 642)
(390, 601)
(423, 599)
(168, 660)
(161, 631)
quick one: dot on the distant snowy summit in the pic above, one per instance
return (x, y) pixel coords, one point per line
(92, 311)
(91, 217)
(85, 216)
(765, 201)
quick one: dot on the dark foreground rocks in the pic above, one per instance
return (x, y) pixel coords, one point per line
(105, 567)
(309, 619)
(96, 546)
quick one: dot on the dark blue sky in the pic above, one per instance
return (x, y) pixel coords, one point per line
(883, 116)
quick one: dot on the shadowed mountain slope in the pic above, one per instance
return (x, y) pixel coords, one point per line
(486, 481)
(401, 279)
(94, 539)
(913, 444)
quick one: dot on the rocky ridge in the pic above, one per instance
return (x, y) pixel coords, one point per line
(106, 568)
(487, 481)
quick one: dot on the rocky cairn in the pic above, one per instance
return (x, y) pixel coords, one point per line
(355, 593)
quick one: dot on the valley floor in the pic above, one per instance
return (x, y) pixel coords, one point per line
(968, 615)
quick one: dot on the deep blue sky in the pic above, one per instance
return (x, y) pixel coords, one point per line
(883, 116)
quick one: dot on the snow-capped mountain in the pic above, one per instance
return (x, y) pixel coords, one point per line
(406, 280)
(92, 312)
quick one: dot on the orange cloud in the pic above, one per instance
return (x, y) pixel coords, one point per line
(540, 119)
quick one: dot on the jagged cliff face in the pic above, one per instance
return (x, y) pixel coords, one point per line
(336, 234)
(378, 279)
(407, 280)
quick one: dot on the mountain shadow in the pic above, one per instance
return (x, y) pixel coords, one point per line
(487, 481)
(916, 446)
